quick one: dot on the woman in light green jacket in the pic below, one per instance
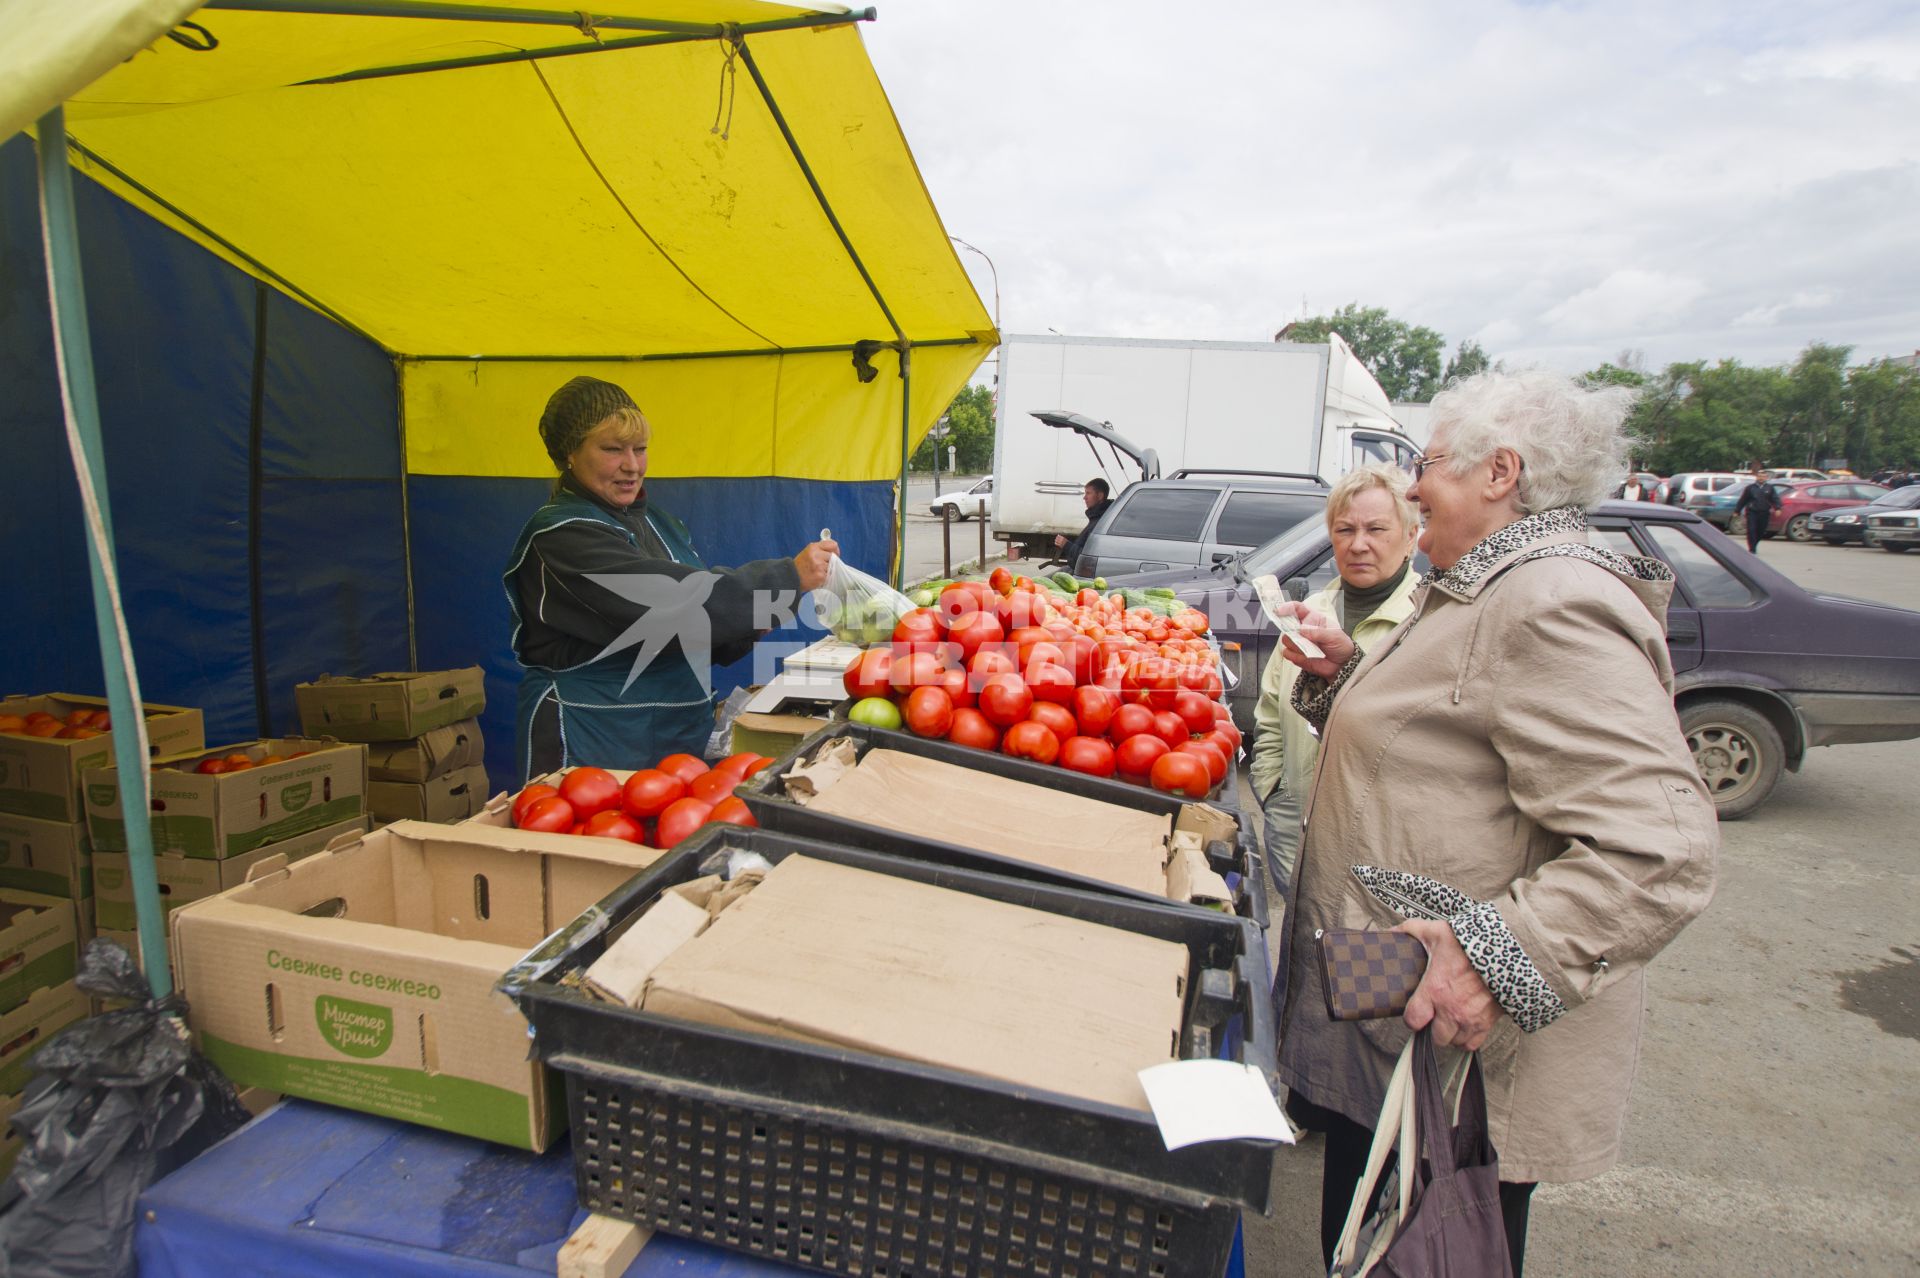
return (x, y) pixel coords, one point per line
(1373, 527)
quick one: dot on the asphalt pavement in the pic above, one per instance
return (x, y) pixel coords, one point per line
(1774, 1128)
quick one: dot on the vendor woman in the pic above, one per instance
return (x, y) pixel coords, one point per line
(600, 581)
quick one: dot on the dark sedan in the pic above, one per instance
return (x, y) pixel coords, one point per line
(1846, 524)
(1763, 670)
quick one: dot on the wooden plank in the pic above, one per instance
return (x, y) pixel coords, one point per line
(602, 1248)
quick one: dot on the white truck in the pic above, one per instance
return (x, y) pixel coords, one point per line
(1291, 407)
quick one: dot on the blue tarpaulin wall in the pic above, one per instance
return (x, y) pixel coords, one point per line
(255, 474)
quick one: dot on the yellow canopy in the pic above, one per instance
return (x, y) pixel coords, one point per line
(653, 198)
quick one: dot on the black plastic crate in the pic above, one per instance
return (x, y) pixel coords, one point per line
(855, 1163)
(765, 794)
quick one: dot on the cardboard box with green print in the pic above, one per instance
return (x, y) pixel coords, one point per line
(389, 707)
(53, 858)
(205, 806)
(41, 776)
(189, 878)
(39, 944)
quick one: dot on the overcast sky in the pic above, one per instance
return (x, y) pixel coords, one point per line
(1689, 178)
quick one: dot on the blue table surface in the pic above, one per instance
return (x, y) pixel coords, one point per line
(307, 1189)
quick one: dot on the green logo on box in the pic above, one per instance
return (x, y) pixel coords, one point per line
(362, 1030)
(295, 797)
(108, 879)
(102, 795)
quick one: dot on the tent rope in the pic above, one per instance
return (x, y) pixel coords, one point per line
(584, 21)
(730, 51)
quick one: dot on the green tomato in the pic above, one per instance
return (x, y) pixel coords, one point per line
(875, 712)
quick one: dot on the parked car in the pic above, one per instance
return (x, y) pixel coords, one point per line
(1718, 508)
(1195, 517)
(1800, 502)
(977, 500)
(1700, 485)
(1795, 474)
(1763, 670)
(1849, 523)
(1896, 532)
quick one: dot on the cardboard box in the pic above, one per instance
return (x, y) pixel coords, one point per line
(774, 735)
(39, 945)
(53, 858)
(27, 1028)
(187, 878)
(41, 776)
(389, 707)
(453, 797)
(828, 954)
(195, 814)
(364, 976)
(11, 1143)
(422, 758)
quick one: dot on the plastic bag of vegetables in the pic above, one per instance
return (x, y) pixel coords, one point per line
(861, 608)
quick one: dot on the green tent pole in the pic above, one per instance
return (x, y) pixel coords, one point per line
(73, 353)
(906, 456)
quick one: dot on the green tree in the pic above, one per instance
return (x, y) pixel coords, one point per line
(1468, 358)
(1812, 425)
(1701, 416)
(1404, 358)
(968, 427)
(1882, 416)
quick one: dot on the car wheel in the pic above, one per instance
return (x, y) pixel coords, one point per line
(1896, 547)
(1738, 751)
(1797, 529)
(954, 512)
(1835, 541)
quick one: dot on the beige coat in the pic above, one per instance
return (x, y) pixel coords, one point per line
(1516, 740)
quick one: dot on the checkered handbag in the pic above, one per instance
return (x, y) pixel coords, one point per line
(1370, 974)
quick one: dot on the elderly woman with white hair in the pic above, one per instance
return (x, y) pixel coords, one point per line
(1372, 526)
(1503, 776)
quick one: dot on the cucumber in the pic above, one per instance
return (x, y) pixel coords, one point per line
(1100, 584)
(1163, 592)
(1067, 582)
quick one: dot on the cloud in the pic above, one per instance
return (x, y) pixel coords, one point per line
(1561, 181)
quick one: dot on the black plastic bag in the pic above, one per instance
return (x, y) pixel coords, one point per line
(116, 1102)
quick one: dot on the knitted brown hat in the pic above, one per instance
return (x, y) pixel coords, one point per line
(574, 410)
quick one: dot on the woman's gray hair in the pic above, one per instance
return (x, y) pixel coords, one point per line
(1572, 441)
(1373, 475)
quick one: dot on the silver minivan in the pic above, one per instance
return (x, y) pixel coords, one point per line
(1698, 485)
(1196, 518)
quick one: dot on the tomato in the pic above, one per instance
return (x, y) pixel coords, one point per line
(1090, 755)
(529, 796)
(1226, 745)
(648, 792)
(1134, 757)
(684, 766)
(1170, 728)
(760, 765)
(682, 817)
(1005, 699)
(1178, 773)
(1195, 710)
(590, 790)
(955, 602)
(48, 727)
(80, 719)
(614, 824)
(1023, 638)
(958, 687)
(737, 763)
(1093, 707)
(929, 712)
(1087, 598)
(987, 662)
(1130, 721)
(1022, 608)
(1030, 740)
(867, 674)
(1210, 754)
(920, 669)
(211, 767)
(972, 630)
(1082, 654)
(1050, 682)
(1159, 679)
(236, 759)
(971, 728)
(920, 626)
(711, 787)
(1001, 580)
(1220, 711)
(1201, 679)
(552, 814)
(12, 723)
(875, 712)
(731, 811)
(1058, 719)
(272, 758)
(231, 765)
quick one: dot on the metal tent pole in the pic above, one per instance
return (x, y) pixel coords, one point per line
(73, 355)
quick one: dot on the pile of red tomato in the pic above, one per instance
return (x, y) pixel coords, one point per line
(1072, 683)
(655, 807)
(79, 725)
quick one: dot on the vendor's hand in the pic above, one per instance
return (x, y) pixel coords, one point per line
(1451, 997)
(1317, 626)
(811, 564)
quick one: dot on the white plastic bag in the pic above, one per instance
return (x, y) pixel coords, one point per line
(863, 608)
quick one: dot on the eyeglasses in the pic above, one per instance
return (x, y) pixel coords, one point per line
(1420, 466)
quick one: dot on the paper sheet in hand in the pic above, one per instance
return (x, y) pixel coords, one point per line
(1195, 1101)
(1271, 597)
